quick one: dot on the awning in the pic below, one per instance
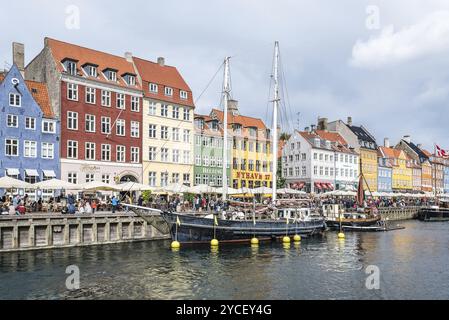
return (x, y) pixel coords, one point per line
(330, 186)
(49, 173)
(12, 172)
(31, 173)
(301, 185)
(318, 185)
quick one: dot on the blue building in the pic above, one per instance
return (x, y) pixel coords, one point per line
(446, 179)
(29, 133)
(384, 174)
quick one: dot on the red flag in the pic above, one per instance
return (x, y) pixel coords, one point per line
(360, 193)
(441, 153)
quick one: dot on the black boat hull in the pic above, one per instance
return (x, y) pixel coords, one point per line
(433, 215)
(193, 229)
(335, 225)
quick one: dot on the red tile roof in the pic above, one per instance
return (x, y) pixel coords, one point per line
(390, 152)
(331, 136)
(40, 95)
(163, 76)
(245, 121)
(62, 50)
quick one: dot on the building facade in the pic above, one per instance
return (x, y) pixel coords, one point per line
(29, 141)
(402, 173)
(98, 100)
(251, 149)
(168, 124)
(446, 177)
(385, 174)
(208, 152)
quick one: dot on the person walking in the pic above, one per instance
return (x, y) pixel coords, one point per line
(114, 203)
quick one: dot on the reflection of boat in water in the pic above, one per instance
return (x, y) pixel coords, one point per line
(336, 216)
(435, 213)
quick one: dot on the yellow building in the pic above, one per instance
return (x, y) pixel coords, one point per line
(369, 161)
(168, 124)
(402, 178)
(251, 163)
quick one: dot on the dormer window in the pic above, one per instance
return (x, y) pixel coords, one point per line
(153, 87)
(130, 79)
(215, 125)
(317, 142)
(168, 91)
(111, 74)
(70, 66)
(91, 70)
(183, 94)
(252, 132)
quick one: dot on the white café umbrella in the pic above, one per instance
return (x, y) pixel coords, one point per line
(134, 186)
(11, 183)
(231, 191)
(203, 188)
(176, 188)
(99, 186)
(290, 191)
(262, 190)
(56, 184)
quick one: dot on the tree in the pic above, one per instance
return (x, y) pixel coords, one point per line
(284, 136)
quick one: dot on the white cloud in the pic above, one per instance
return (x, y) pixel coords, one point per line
(427, 37)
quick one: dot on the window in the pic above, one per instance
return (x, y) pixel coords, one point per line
(30, 149)
(90, 177)
(168, 91)
(175, 112)
(152, 153)
(186, 136)
(15, 100)
(175, 178)
(90, 95)
(72, 177)
(105, 98)
(121, 156)
(186, 114)
(105, 178)
(183, 94)
(164, 154)
(72, 149)
(48, 126)
(12, 147)
(89, 151)
(175, 134)
(152, 109)
(111, 75)
(197, 179)
(152, 131)
(47, 150)
(164, 110)
(206, 161)
(164, 132)
(152, 178)
(105, 152)
(135, 104)
(135, 154)
(121, 101)
(71, 67)
(131, 80)
(120, 127)
(135, 129)
(186, 157)
(164, 179)
(153, 87)
(72, 91)
(30, 123)
(105, 125)
(72, 120)
(12, 121)
(91, 71)
(197, 160)
(186, 178)
(175, 157)
(90, 123)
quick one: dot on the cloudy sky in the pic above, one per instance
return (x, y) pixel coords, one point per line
(385, 63)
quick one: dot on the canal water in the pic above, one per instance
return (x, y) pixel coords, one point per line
(413, 264)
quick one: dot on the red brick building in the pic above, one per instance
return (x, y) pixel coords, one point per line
(98, 98)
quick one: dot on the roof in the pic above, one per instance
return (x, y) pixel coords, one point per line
(391, 153)
(245, 121)
(331, 136)
(40, 94)
(164, 75)
(337, 142)
(364, 136)
(207, 129)
(62, 50)
(421, 154)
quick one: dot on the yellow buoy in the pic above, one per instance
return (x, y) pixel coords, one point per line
(297, 238)
(214, 242)
(254, 241)
(175, 245)
(341, 235)
(286, 239)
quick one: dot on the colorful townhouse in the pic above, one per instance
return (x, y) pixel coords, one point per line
(385, 173)
(29, 134)
(319, 161)
(446, 177)
(365, 145)
(168, 124)
(98, 99)
(251, 148)
(208, 151)
(402, 174)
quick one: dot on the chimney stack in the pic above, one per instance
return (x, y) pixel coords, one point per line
(306, 129)
(18, 56)
(349, 121)
(129, 56)
(233, 107)
(386, 142)
(322, 124)
(312, 127)
(419, 146)
(161, 61)
(407, 139)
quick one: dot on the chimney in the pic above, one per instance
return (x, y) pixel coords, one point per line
(306, 129)
(312, 127)
(233, 106)
(349, 122)
(18, 56)
(129, 56)
(419, 146)
(161, 61)
(407, 139)
(322, 124)
(386, 142)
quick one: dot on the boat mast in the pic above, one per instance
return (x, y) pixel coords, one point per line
(275, 120)
(226, 97)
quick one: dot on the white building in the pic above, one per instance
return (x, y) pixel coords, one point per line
(319, 161)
